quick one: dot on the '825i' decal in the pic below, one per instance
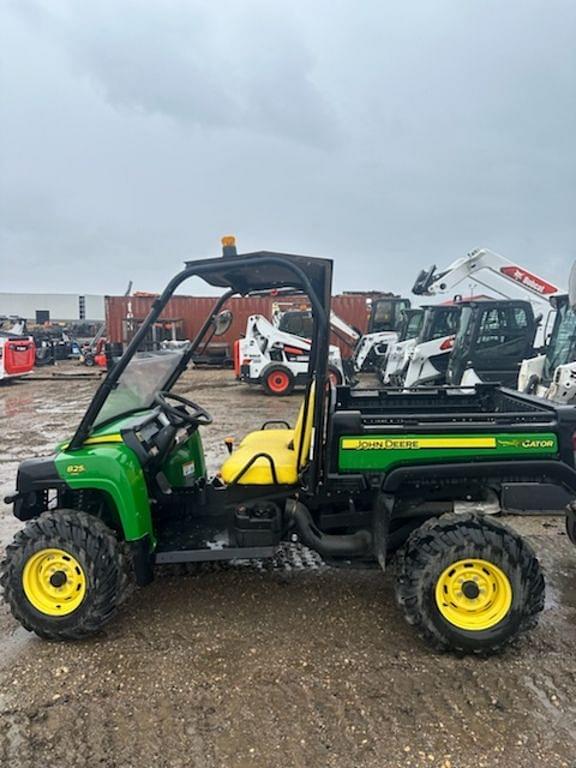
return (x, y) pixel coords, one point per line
(75, 469)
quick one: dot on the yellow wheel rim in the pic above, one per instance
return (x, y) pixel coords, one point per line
(54, 582)
(473, 594)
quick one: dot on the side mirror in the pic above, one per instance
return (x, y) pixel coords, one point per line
(222, 322)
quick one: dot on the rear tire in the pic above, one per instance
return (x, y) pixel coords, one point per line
(278, 381)
(571, 521)
(469, 584)
(64, 575)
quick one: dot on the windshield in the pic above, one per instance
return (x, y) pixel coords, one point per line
(413, 325)
(387, 314)
(297, 323)
(560, 350)
(146, 374)
(440, 322)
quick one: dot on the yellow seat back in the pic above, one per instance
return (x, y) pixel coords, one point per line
(303, 431)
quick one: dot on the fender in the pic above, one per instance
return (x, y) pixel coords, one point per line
(111, 467)
(557, 471)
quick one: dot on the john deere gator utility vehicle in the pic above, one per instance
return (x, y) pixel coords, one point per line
(361, 474)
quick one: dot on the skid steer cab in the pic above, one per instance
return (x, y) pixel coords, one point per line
(492, 339)
(359, 476)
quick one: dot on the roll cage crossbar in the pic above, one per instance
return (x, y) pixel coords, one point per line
(239, 268)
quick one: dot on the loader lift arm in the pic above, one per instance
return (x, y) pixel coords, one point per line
(489, 270)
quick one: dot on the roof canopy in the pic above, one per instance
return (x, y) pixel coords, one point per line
(264, 271)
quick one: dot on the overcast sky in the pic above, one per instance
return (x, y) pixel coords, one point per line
(386, 134)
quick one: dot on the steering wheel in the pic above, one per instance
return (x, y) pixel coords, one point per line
(196, 417)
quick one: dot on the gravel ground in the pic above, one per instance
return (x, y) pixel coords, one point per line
(288, 663)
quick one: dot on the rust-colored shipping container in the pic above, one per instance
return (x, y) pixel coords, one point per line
(184, 315)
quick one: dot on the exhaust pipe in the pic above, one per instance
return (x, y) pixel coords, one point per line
(352, 544)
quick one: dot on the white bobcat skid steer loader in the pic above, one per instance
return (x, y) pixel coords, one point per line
(393, 370)
(276, 360)
(428, 357)
(386, 315)
(485, 271)
(552, 374)
(368, 350)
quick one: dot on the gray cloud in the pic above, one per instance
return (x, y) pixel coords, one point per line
(386, 135)
(241, 67)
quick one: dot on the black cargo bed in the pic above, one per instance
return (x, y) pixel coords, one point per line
(486, 405)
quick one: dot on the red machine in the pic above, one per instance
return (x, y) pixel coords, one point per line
(17, 355)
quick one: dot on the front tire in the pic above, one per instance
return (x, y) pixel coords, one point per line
(278, 381)
(64, 575)
(469, 584)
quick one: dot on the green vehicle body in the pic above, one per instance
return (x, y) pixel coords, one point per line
(107, 464)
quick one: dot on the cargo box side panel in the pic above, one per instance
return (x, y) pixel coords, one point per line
(381, 453)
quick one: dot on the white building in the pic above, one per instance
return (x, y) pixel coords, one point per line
(53, 307)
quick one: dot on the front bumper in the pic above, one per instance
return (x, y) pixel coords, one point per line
(245, 375)
(35, 478)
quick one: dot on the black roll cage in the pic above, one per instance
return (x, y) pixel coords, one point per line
(318, 359)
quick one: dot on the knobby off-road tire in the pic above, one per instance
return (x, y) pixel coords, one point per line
(571, 521)
(91, 555)
(469, 584)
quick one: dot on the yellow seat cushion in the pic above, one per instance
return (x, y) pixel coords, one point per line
(260, 473)
(283, 437)
(281, 445)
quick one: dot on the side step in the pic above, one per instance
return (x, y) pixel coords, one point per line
(201, 539)
(206, 555)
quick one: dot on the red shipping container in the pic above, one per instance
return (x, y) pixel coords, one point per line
(189, 312)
